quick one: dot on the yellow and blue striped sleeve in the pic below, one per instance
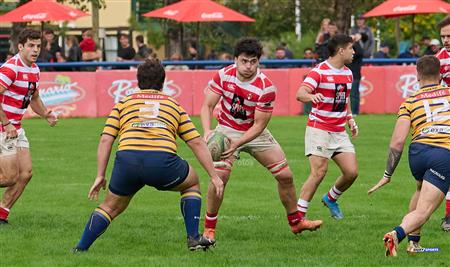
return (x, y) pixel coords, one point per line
(405, 109)
(186, 129)
(112, 125)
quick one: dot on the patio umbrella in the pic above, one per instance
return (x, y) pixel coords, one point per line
(397, 8)
(42, 10)
(198, 11)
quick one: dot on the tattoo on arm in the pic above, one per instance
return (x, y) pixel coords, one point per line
(393, 160)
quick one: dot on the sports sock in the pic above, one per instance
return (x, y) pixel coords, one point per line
(447, 204)
(302, 207)
(414, 238)
(4, 212)
(400, 233)
(190, 204)
(294, 218)
(334, 194)
(95, 227)
(210, 220)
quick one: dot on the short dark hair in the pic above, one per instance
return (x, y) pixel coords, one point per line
(151, 74)
(48, 31)
(140, 38)
(428, 67)
(443, 23)
(308, 48)
(249, 46)
(28, 34)
(338, 41)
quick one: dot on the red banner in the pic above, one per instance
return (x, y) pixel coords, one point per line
(93, 94)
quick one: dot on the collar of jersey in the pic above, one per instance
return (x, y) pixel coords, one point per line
(430, 87)
(151, 90)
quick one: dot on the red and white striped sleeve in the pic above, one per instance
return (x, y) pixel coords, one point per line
(7, 75)
(312, 80)
(215, 84)
(267, 99)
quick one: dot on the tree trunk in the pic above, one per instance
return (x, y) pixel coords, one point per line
(95, 20)
(173, 37)
(343, 10)
(15, 30)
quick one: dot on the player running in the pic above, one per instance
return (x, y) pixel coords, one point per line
(19, 82)
(147, 123)
(328, 86)
(247, 99)
(427, 114)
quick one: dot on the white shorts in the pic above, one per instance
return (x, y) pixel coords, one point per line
(9, 146)
(263, 142)
(326, 144)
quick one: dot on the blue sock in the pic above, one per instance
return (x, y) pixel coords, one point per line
(190, 204)
(400, 233)
(95, 227)
(414, 238)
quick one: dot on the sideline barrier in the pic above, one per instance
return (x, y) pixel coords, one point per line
(93, 94)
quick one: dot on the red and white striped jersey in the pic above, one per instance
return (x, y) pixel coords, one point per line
(334, 84)
(444, 57)
(20, 81)
(240, 99)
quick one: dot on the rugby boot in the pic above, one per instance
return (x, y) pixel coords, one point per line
(200, 242)
(391, 244)
(305, 225)
(333, 207)
(446, 223)
(3, 221)
(210, 233)
(413, 247)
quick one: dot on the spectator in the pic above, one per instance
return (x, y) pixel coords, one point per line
(125, 51)
(323, 30)
(212, 55)
(355, 67)
(308, 53)
(53, 48)
(361, 27)
(289, 54)
(426, 44)
(383, 52)
(280, 53)
(412, 52)
(225, 56)
(73, 50)
(322, 48)
(89, 47)
(435, 46)
(176, 57)
(143, 50)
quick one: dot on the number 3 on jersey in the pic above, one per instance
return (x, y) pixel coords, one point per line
(435, 114)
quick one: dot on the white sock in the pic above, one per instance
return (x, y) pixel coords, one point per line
(302, 205)
(447, 197)
(334, 194)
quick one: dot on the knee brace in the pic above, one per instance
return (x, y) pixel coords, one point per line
(278, 167)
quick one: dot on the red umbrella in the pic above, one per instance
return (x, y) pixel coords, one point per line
(395, 8)
(42, 10)
(198, 11)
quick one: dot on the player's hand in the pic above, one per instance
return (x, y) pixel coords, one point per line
(99, 183)
(383, 181)
(353, 127)
(218, 185)
(207, 134)
(11, 131)
(231, 149)
(52, 118)
(316, 98)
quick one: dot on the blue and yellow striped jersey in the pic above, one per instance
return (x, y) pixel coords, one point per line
(149, 120)
(428, 111)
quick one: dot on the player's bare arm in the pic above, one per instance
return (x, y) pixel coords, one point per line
(200, 150)
(351, 121)
(260, 123)
(7, 125)
(305, 95)
(210, 102)
(38, 106)
(103, 154)
(398, 139)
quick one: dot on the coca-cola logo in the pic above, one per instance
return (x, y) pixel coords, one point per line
(407, 85)
(214, 15)
(122, 88)
(61, 91)
(35, 16)
(171, 12)
(404, 8)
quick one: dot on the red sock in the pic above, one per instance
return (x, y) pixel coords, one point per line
(447, 207)
(4, 213)
(294, 218)
(211, 220)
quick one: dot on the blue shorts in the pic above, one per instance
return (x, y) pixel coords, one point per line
(430, 163)
(133, 169)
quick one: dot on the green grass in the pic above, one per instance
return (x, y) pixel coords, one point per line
(252, 230)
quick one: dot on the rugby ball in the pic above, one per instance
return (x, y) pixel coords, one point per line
(217, 144)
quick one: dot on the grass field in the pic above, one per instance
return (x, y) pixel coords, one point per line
(252, 230)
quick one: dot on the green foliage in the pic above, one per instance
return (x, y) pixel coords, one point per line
(85, 5)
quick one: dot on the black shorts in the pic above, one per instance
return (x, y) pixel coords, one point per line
(133, 169)
(430, 163)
